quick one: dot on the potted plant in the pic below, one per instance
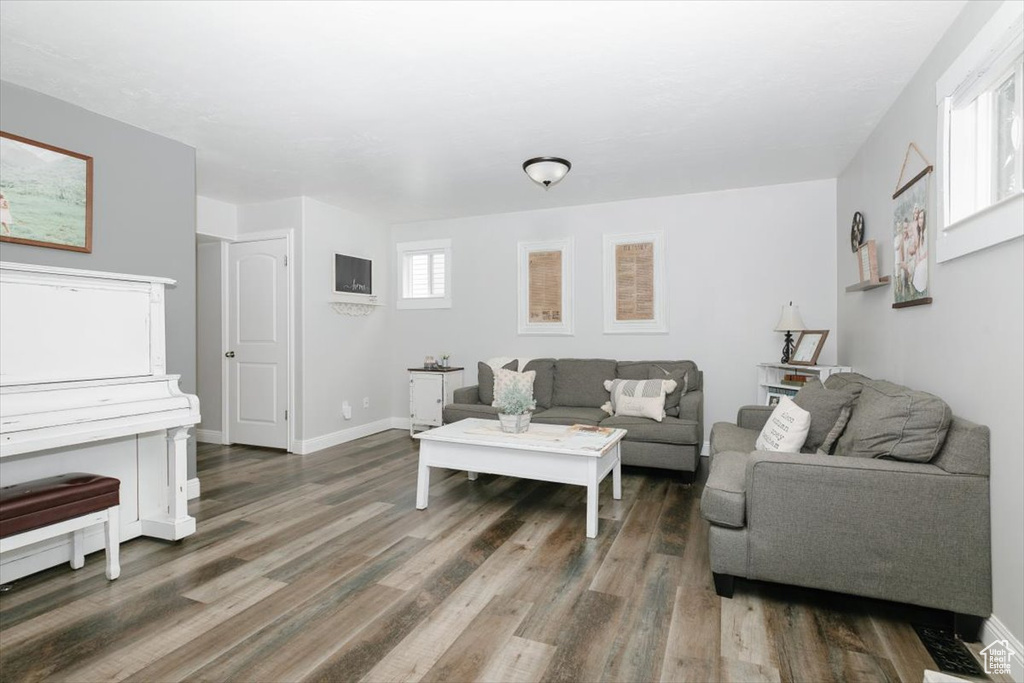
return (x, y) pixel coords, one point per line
(514, 407)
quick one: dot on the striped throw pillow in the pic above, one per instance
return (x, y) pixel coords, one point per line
(638, 397)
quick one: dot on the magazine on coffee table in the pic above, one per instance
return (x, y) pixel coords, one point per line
(584, 437)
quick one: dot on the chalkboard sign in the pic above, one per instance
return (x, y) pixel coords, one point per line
(352, 275)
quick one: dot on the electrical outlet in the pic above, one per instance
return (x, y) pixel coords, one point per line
(366, 401)
(346, 410)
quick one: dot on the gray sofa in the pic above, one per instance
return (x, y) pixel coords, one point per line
(859, 521)
(571, 391)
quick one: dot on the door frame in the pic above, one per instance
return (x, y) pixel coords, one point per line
(225, 311)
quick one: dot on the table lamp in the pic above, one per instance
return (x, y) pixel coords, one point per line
(789, 323)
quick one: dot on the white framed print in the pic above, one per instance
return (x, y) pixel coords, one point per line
(635, 295)
(545, 287)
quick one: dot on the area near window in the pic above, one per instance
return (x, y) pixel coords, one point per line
(424, 271)
(981, 172)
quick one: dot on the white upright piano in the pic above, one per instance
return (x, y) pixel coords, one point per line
(84, 388)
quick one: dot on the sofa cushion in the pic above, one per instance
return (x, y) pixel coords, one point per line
(892, 421)
(830, 411)
(580, 383)
(638, 397)
(453, 412)
(641, 369)
(567, 415)
(670, 430)
(724, 499)
(681, 376)
(485, 379)
(786, 428)
(544, 382)
(725, 436)
(512, 381)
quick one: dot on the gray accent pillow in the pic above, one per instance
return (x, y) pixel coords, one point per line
(892, 421)
(544, 382)
(485, 380)
(682, 380)
(826, 409)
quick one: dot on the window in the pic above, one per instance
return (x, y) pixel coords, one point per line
(425, 274)
(980, 135)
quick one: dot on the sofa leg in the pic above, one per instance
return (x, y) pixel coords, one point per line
(687, 477)
(967, 627)
(724, 584)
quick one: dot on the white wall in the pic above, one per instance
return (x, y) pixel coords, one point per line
(344, 358)
(209, 356)
(216, 218)
(733, 259)
(968, 346)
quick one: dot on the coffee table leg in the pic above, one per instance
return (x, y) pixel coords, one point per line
(472, 476)
(592, 485)
(617, 476)
(422, 484)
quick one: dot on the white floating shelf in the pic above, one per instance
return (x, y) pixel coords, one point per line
(354, 304)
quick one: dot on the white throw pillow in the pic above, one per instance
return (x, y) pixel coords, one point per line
(786, 429)
(638, 397)
(504, 379)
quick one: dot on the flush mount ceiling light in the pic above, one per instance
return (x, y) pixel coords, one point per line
(546, 171)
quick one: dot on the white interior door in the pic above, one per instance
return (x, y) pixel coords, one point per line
(257, 352)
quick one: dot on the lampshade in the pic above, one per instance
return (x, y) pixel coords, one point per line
(546, 171)
(790, 320)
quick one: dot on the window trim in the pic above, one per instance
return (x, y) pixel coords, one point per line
(403, 249)
(1001, 221)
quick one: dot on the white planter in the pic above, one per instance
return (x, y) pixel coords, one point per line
(514, 424)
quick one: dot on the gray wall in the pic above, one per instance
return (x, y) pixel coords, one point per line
(208, 335)
(144, 209)
(967, 346)
(733, 258)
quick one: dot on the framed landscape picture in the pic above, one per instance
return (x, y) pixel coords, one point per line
(45, 195)
(545, 287)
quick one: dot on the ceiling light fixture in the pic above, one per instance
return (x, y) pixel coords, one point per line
(546, 171)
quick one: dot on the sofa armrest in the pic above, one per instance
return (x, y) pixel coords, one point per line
(753, 417)
(909, 532)
(470, 394)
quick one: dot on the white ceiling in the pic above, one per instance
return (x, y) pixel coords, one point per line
(419, 110)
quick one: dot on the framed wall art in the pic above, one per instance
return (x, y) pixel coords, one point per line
(910, 237)
(808, 347)
(634, 284)
(545, 287)
(45, 195)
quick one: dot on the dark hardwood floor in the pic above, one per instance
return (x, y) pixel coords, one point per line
(320, 568)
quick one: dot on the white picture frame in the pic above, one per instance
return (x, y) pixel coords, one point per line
(657, 323)
(564, 326)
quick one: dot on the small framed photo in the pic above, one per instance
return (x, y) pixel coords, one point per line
(808, 346)
(773, 400)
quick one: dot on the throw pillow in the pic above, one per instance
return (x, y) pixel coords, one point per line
(680, 377)
(826, 407)
(485, 380)
(508, 379)
(638, 397)
(786, 428)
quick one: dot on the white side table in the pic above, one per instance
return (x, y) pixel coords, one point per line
(770, 378)
(430, 390)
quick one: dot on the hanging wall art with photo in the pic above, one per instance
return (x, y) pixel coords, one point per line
(911, 285)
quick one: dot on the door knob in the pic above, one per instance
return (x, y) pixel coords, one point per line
(229, 354)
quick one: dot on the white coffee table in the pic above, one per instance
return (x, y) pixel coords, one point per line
(545, 453)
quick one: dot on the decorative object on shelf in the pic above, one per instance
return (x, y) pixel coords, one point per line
(545, 287)
(634, 284)
(352, 275)
(857, 231)
(808, 346)
(445, 357)
(546, 171)
(789, 322)
(910, 236)
(429, 362)
(45, 195)
(515, 405)
(867, 262)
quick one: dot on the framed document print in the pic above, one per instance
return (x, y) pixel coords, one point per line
(545, 287)
(634, 284)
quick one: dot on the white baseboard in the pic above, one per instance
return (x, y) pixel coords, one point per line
(706, 449)
(993, 630)
(192, 489)
(319, 443)
(209, 436)
(400, 423)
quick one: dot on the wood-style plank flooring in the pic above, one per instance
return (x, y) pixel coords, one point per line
(320, 568)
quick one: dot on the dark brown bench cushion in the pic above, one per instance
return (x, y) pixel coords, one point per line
(39, 503)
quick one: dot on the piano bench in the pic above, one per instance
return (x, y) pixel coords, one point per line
(68, 503)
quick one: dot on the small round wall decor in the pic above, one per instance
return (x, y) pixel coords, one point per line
(857, 231)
